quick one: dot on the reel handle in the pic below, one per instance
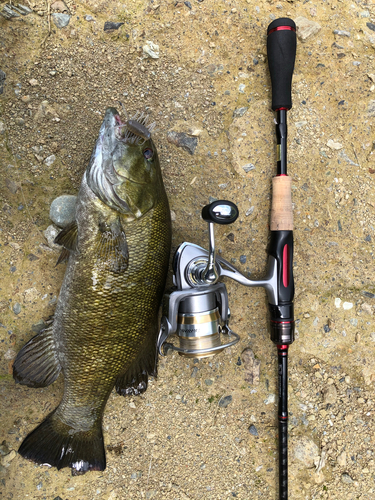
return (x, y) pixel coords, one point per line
(281, 50)
(218, 212)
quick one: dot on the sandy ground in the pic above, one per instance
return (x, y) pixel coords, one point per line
(177, 441)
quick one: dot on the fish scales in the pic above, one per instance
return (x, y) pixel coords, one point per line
(106, 321)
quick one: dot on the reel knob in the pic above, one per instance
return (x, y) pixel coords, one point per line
(218, 212)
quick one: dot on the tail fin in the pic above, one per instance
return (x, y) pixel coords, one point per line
(57, 444)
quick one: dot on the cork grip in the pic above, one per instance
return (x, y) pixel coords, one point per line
(281, 211)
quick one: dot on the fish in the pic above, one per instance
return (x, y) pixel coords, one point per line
(105, 326)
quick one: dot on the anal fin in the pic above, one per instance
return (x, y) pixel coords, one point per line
(37, 365)
(134, 378)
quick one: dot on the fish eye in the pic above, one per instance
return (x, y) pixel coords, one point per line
(148, 154)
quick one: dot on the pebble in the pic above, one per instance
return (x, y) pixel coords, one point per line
(38, 326)
(62, 210)
(334, 145)
(248, 167)
(241, 88)
(50, 160)
(345, 478)
(88, 18)
(17, 308)
(60, 20)
(341, 459)
(253, 430)
(337, 302)
(12, 186)
(243, 259)
(50, 234)
(224, 402)
(306, 28)
(151, 49)
(305, 450)
(8, 458)
(2, 80)
(109, 26)
(341, 33)
(183, 141)
(371, 108)
(330, 394)
(371, 26)
(2, 124)
(271, 398)
(249, 211)
(251, 367)
(347, 306)
(240, 112)
(4, 450)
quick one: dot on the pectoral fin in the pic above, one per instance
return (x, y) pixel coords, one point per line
(68, 239)
(112, 247)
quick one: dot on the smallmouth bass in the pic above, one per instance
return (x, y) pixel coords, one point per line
(106, 321)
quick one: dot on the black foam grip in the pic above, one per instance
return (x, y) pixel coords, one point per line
(281, 50)
(283, 460)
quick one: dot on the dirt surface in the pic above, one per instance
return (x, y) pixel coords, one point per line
(185, 438)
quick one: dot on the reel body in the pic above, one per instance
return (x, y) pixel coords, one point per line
(197, 309)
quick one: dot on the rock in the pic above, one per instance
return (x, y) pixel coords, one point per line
(8, 12)
(61, 20)
(224, 402)
(251, 366)
(2, 80)
(271, 398)
(248, 167)
(304, 450)
(240, 111)
(183, 141)
(330, 394)
(20, 121)
(341, 33)
(341, 459)
(334, 145)
(306, 28)
(12, 186)
(62, 210)
(345, 478)
(109, 26)
(10, 354)
(371, 108)
(50, 160)
(60, 7)
(50, 234)
(17, 308)
(39, 326)
(150, 49)
(6, 459)
(253, 430)
(33, 82)
(45, 111)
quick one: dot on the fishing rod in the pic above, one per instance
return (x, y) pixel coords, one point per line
(196, 310)
(281, 50)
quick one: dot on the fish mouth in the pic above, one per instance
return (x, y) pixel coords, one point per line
(135, 130)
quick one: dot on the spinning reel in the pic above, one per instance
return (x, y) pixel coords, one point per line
(197, 309)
